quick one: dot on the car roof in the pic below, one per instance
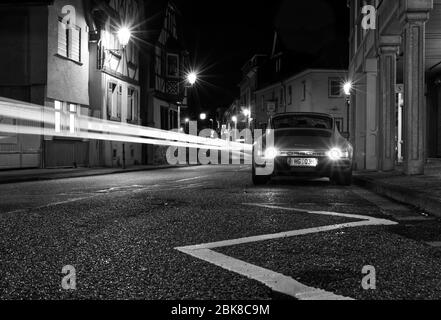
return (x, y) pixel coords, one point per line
(301, 114)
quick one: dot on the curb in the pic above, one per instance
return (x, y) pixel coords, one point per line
(418, 199)
(59, 176)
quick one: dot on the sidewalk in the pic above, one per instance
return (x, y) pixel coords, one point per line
(12, 176)
(423, 192)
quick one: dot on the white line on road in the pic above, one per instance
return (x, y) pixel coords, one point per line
(276, 281)
(190, 179)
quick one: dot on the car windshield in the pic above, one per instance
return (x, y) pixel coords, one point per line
(302, 122)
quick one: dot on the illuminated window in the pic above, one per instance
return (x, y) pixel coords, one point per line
(58, 108)
(132, 104)
(72, 118)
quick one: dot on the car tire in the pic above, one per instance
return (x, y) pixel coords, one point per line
(343, 178)
(259, 180)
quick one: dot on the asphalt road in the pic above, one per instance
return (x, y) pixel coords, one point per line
(121, 233)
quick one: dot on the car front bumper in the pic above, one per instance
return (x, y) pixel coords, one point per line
(325, 167)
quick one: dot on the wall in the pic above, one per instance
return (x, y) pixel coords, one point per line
(67, 80)
(23, 61)
(316, 95)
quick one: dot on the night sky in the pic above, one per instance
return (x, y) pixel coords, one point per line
(222, 35)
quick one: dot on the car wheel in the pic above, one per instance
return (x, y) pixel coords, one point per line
(259, 180)
(343, 178)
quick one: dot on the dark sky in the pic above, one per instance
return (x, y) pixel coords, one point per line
(222, 35)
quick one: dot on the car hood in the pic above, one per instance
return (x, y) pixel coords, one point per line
(307, 139)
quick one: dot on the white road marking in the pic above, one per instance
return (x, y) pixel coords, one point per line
(277, 281)
(190, 179)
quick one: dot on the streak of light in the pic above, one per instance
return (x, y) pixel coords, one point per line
(99, 129)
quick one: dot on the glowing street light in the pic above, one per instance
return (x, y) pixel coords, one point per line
(246, 112)
(347, 88)
(124, 34)
(203, 116)
(192, 77)
(187, 120)
(234, 119)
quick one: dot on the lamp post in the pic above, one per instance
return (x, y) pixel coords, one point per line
(187, 124)
(234, 119)
(347, 89)
(124, 34)
(191, 79)
(247, 114)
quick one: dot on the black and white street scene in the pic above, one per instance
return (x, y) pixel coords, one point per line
(243, 151)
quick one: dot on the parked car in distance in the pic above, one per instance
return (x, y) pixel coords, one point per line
(306, 145)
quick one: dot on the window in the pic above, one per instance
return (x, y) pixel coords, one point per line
(72, 118)
(173, 119)
(335, 88)
(164, 118)
(339, 124)
(65, 114)
(69, 40)
(132, 104)
(114, 94)
(290, 95)
(58, 108)
(172, 65)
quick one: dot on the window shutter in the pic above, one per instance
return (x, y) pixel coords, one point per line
(129, 104)
(62, 39)
(75, 45)
(109, 100)
(118, 102)
(135, 105)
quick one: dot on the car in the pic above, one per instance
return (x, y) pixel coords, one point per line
(307, 145)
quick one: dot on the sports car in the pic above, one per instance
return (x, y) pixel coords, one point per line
(306, 145)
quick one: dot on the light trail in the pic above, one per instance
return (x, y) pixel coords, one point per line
(99, 129)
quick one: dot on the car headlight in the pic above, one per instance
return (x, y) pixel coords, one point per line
(271, 153)
(335, 154)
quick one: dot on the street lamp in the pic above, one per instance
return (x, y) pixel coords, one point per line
(187, 124)
(347, 89)
(124, 34)
(247, 114)
(234, 119)
(212, 124)
(192, 77)
(203, 116)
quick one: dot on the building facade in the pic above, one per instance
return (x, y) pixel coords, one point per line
(65, 56)
(395, 69)
(45, 61)
(166, 65)
(313, 90)
(114, 77)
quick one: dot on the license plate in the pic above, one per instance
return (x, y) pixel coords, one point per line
(303, 162)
